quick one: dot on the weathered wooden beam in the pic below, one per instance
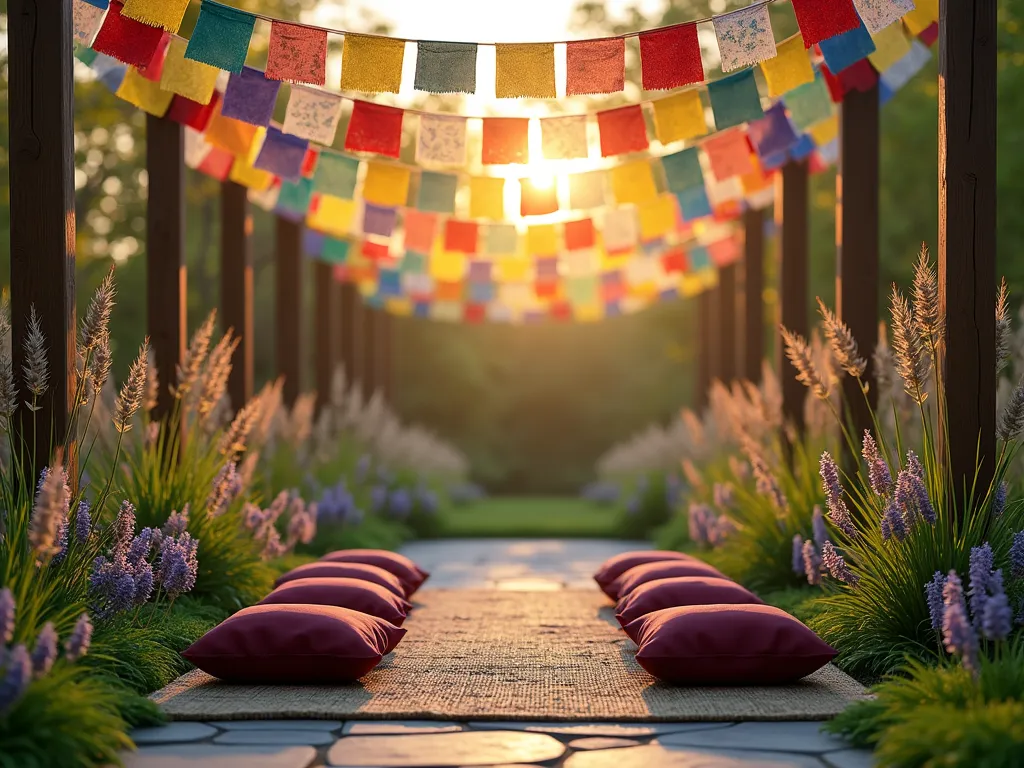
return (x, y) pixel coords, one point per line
(967, 241)
(166, 273)
(288, 308)
(857, 245)
(753, 294)
(236, 287)
(40, 83)
(324, 321)
(707, 346)
(791, 220)
(368, 368)
(384, 337)
(728, 327)
(349, 332)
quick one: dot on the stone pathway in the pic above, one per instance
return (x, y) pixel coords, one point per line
(522, 565)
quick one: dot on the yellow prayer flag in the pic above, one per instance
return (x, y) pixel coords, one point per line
(487, 198)
(144, 94)
(679, 117)
(372, 64)
(511, 269)
(386, 184)
(825, 131)
(588, 313)
(657, 218)
(333, 216)
(790, 68)
(691, 285)
(542, 240)
(166, 14)
(633, 182)
(524, 70)
(236, 137)
(923, 16)
(448, 266)
(191, 79)
(253, 178)
(891, 45)
(399, 306)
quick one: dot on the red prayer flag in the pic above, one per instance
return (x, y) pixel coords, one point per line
(217, 163)
(675, 260)
(374, 251)
(546, 288)
(460, 236)
(821, 19)
(670, 57)
(579, 234)
(505, 140)
(836, 89)
(622, 130)
(419, 230)
(595, 66)
(154, 70)
(536, 199)
(858, 77)
(930, 35)
(729, 153)
(375, 128)
(816, 164)
(127, 40)
(561, 310)
(192, 113)
(297, 54)
(474, 313)
(724, 252)
(309, 161)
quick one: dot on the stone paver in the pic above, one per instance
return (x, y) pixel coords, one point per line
(277, 737)
(397, 727)
(173, 733)
(444, 749)
(216, 756)
(602, 742)
(659, 756)
(783, 737)
(278, 725)
(849, 758)
(597, 729)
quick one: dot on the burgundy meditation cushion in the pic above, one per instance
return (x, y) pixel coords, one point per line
(614, 567)
(361, 571)
(667, 569)
(354, 594)
(727, 645)
(681, 590)
(410, 574)
(294, 644)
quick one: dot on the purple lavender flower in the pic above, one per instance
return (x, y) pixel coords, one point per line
(83, 522)
(226, 486)
(16, 677)
(700, 517)
(140, 547)
(829, 471)
(721, 530)
(724, 496)
(379, 498)
(77, 644)
(933, 593)
(363, 467)
(302, 525)
(980, 574)
(273, 546)
(45, 652)
(957, 632)
(278, 506)
(7, 609)
(997, 618)
(836, 565)
(143, 583)
(914, 465)
(879, 474)
(62, 543)
(112, 585)
(798, 553)
(426, 499)
(399, 503)
(999, 502)
(892, 522)
(177, 522)
(767, 485)
(124, 527)
(812, 563)
(1017, 556)
(178, 564)
(818, 528)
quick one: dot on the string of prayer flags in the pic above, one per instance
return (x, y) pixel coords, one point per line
(165, 14)
(524, 70)
(879, 14)
(375, 128)
(221, 36)
(312, 114)
(790, 68)
(298, 54)
(538, 197)
(250, 97)
(87, 19)
(372, 64)
(446, 67)
(772, 133)
(728, 154)
(670, 58)
(442, 139)
(847, 49)
(683, 170)
(281, 154)
(679, 117)
(144, 94)
(437, 192)
(386, 184)
(735, 99)
(745, 37)
(891, 45)
(586, 190)
(487, 197)
(564, 138)
(633, 182)
(500, 240)
(125, 39)
(623, 130)
(821, 19)
(595, 66)
(190, 79)
(505, 140)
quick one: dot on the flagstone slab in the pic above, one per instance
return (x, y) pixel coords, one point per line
(278, 725)
(782, 736)
(849, 758)
(660, 756)
(602, 742)
(173, 733)
(284, 738)
(444, 749)
(217, 756)
(389, 727)
(595, 729)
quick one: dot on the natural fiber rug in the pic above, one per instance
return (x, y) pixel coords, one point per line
(479, 655)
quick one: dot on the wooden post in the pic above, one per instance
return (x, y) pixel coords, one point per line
(368, 368)
(166, 273)
(42, 211)
(791, 204)
(707, 346)
(324, 316)
(288, 308)
(236, 281)
(728, 328)
(753, 293)
(967, 241)
(383, 340)
(349, 332)
(857, 245)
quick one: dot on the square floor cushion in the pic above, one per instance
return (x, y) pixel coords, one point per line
(294, 644)
(614, 567)
(361, 571)
(681, 590)
(410, 574)
(667, 569)
(354, 594)
(727, 645)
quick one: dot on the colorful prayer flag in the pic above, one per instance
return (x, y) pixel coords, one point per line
(735, 100)
(633, 182)
(670, 58)
(524, 70)
(745, 37)
(253, 178)
(790, 69)
(87, 19)
(858, 77)
(442, 139)
(221, 37)
(297, 53)
(891, 45)
(564, 138)
(217, 164)
(773, 132)
(679, 117)
(375, 128)
(282, 154)
(693, 204)
(386, 184)
(125, 39)
(487, 197)
(379, 220)
(923, 16)
(825, 131)
(847, 49)
(165, 14)
(505, 140)
(657, 218)
(445, 67)
(729, 154)
(335, 250)
(154, 70)
(295, 196)
(821, 19)
(879, 14)
(538, 198)
(372, 64)
(229, 134)
(144, 94)
(437, 192)
(620, 229)
(579, 234)
(595, 66)
(420, 230)
(809, 104)
(250, 97)
(587, 190)
(682, 169)
(542, 240)
(192, 113)
(460, 236)
(190, 79)
(312, 114)
(500, 239)
(900, 73)
(622, 130)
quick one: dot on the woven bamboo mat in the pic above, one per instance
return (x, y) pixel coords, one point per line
(487, 654)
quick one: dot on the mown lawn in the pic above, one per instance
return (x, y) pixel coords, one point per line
(530, 517)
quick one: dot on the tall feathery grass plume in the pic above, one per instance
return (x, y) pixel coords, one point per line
(48, 512)
(8, 386)
(843, 344)
(913, 360)
(1011, 421)
(884, 361)
(96, 323)
(799, 354)
(36, 369)
(130, 398)
(927, 317)
(234, 440)
(215, 375)
(1004, 327)
(195, 356)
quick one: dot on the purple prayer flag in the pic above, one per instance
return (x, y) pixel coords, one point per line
(250, 97)
(282, 155)
(547, 267)
(312, 242)
(772, 133)
(803, 147)
(378, 220)
(480, 271)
